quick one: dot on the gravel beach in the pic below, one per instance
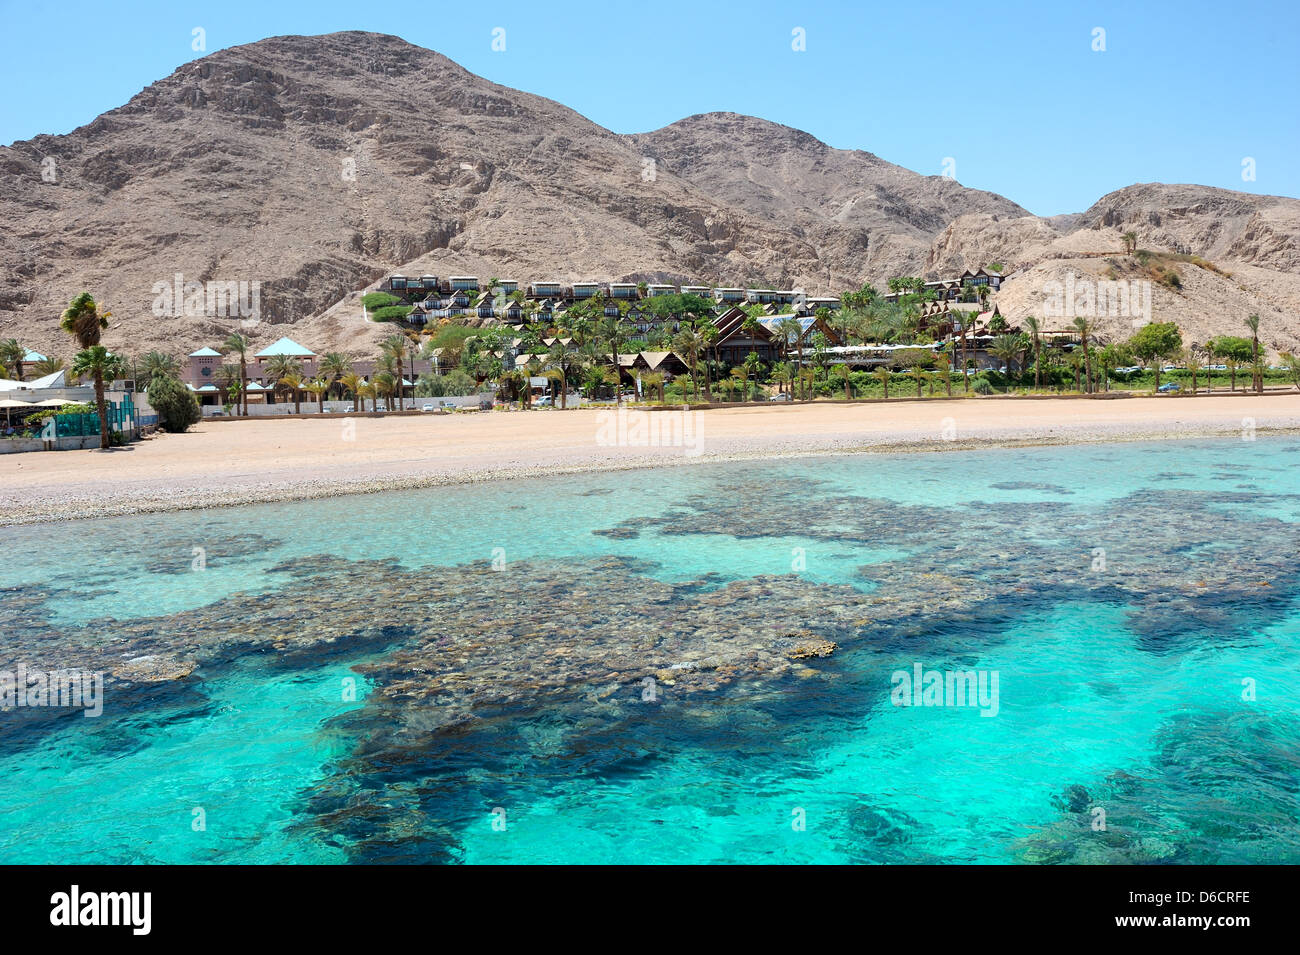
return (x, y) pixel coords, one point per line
(230, 462)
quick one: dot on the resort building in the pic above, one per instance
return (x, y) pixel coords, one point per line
(809, 327)
(988, 277)
(544, 289)
(201, 372)
(963, 288)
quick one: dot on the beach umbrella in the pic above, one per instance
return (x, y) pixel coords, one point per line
(9, 404)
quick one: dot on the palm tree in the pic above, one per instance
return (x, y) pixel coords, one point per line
(808, 383)
(708, 333)
(781, 375)
(83, 320)
(317, 387)
(367, 390)
(558, 377)
(741, 374)
(654, 380)
(1084, 329)
(334, 366)
(611, 331)
(750, 324)
(47, 366)
(1252, 322)
(352, 384)
(843, 371)
(227, 381)
(238, 343)
(791, 332)
(945, 373)
(385, 384)
(688, 344)
(294, 382)
(160, 364)
(412, 354)
(882, 375)
(280, 367)
(12, 355)
(562, 357)
(1006, 348)
(98, 362)
(1076, 363)
(509, 379)
(1035, 328)
(394, 346)
(1193, 361)
(277, 366)
(1130, 242)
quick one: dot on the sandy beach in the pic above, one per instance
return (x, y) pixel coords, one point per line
(221, 463)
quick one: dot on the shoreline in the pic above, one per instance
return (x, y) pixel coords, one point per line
(257, 462)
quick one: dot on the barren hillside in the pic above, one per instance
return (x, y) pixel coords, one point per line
(315, 165)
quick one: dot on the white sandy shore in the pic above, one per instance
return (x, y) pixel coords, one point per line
(231, 462)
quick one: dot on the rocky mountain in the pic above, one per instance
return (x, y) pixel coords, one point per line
(310, 167)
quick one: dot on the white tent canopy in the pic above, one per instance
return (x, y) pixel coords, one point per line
(58, 379)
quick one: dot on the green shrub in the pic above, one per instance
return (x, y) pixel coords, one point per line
(176, 405)
(982, 387)
(455, 382)
(390, 313)
(373, 300)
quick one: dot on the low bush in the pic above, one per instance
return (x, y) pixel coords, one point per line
(176, 405)
(391, 313)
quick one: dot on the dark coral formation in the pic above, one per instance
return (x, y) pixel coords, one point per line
(617, 657)
(1224, 791)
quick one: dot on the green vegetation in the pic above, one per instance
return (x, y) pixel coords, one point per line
(454, 382)
(373, 300)
(11, 356)
(84, 321)
(392, 313)
(176, 405)
(238, 344)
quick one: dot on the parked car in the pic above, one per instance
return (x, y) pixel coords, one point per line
(427, 408)
(218, 413)
(545, 401)
(1169, 386)
(779, 397)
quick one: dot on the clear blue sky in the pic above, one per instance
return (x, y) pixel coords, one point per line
(1012, 92)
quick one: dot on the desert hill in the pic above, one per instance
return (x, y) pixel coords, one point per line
(316, 165)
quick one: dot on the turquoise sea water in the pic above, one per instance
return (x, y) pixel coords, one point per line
(607, 667)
